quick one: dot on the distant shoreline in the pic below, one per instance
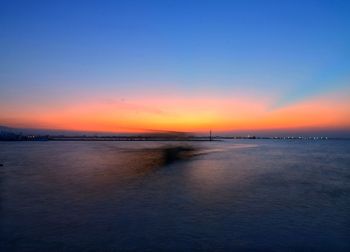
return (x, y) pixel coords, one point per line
(158, 139)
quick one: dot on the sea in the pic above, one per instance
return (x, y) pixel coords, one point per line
(230, 195)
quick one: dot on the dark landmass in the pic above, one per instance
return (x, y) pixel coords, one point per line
(20, 137)
(13, 134)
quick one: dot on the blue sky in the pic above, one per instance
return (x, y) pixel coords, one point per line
(296, 49)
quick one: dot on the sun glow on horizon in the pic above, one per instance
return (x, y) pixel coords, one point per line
(179, 113)
(125, 66)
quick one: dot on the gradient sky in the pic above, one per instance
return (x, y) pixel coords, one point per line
(126, 66)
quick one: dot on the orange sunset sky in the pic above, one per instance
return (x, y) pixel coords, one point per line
(191, 67)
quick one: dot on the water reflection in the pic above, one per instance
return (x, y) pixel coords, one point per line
(137, 196)
(148, 159)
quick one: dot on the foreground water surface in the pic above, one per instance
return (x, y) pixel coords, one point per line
(270, 195)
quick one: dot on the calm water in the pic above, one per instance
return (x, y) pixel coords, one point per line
(232, 195)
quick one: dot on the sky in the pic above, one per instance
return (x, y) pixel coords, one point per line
(136, 66)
